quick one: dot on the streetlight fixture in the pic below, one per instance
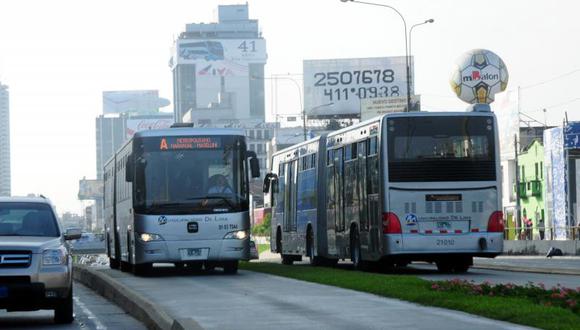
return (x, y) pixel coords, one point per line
(406, 44)
(302, 110)
(411, 35)
(411, 31)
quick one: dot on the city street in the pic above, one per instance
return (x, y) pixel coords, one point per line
(91, 312)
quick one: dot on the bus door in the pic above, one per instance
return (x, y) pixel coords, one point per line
(330, 204)
(372, 185)
(361, 179)
(279, 202)
(339, 198)
(290, 206)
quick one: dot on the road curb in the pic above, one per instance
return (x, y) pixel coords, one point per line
(529, 269)
(131, 301)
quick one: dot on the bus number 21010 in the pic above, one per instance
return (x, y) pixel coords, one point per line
(445, 242)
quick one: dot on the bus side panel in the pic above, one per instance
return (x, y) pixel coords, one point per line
(109, 209)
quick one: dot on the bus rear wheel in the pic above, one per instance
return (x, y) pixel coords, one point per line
(314, 260)
(287, 259)
(355, 252)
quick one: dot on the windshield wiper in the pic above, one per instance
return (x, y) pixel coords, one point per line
(212, 197)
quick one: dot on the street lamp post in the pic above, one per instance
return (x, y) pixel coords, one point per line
(411, 35)
(302, 110)
(406, 44)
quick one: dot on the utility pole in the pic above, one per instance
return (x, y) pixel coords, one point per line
(518, 218)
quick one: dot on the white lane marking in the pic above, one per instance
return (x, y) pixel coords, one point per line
(89, 314)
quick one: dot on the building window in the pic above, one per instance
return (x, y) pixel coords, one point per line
(259, 134)
(260, 148)
(267, 134)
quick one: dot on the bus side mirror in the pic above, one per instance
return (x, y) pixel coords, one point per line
(255, 167)
(270, 181)
(254, 164)
(129, 169)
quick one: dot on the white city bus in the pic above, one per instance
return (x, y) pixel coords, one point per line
(415, 186)
(179, 195)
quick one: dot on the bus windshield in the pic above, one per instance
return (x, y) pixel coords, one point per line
(179, 175)
(441, 148)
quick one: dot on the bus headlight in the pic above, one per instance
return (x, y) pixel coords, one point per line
(53, 257)
(146, 237)
(240, 234)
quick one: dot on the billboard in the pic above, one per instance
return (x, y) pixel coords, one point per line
(508, 122)
(240, 51)
(556, 180)
(90, 189)
(135, 125)
(138, 101)
(572, 135)
(370, 108)
(222, 71)
(345, 83)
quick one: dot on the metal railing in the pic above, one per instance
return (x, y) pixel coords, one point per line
(542, 233)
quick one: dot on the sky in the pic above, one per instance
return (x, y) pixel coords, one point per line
(57, 57)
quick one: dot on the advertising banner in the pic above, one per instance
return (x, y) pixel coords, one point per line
(370, 108)
(572, 135)
(508, 120)
(240, 51)
(139, 101)
(554, 160)
(136, 125)
(345, 83)
(90, 189)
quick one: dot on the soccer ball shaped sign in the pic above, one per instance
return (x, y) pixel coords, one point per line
(478, 75)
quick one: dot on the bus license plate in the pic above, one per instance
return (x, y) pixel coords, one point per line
(194, 254)
(3, 292)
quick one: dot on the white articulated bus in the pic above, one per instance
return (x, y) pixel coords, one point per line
(414, 186)
(179, 195)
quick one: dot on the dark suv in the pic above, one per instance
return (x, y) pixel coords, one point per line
(35, 265)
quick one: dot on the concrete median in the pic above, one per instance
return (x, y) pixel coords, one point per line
(141, 308)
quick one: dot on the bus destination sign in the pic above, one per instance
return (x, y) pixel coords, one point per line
(189, 143)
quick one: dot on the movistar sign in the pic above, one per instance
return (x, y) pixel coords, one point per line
(476, 75)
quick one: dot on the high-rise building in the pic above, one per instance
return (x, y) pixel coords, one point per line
(218, 69)
(5, 187)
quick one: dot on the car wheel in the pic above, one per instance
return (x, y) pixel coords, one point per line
(63, 313)
(230, 267)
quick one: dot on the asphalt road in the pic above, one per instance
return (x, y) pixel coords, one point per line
(91, 312)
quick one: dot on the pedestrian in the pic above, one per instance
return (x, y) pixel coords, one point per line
(541, 227)
(529, 224)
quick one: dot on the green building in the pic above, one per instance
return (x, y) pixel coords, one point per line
(531, 187)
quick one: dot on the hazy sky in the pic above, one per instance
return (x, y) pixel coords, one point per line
(58, 56)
